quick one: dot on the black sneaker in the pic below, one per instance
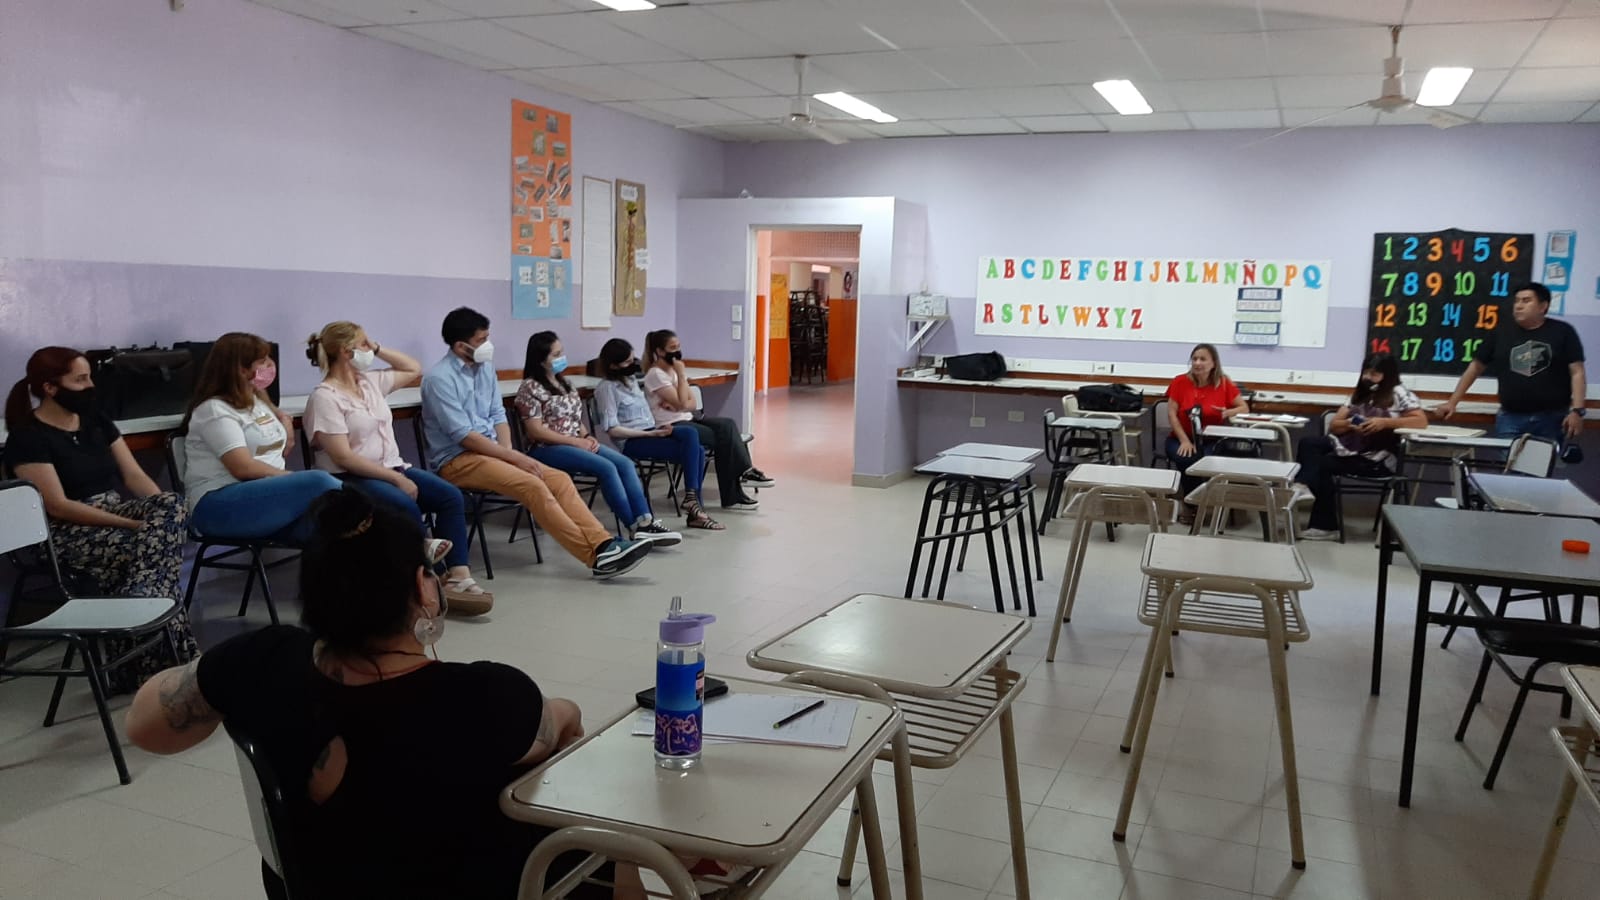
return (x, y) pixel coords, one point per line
(657, 534)
(743, 504)
(618, 556)
(757, 478)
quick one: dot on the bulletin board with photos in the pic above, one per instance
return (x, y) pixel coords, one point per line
(1436, 295)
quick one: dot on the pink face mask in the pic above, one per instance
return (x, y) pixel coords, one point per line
(264, 376)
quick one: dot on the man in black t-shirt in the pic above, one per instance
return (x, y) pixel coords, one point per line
(1539, 363)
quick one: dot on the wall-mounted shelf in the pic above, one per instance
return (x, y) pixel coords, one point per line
(925, 327)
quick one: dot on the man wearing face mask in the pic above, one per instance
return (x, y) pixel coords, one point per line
(469, 445)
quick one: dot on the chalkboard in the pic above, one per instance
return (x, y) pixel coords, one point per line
(1436, 295)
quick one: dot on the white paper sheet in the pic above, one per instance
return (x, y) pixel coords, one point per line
(749, 718)
(595, 288)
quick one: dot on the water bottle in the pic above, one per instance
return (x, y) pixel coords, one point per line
(680, 687)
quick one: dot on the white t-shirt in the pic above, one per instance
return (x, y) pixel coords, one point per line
(654, 380)
(367, 422)
(216, 428)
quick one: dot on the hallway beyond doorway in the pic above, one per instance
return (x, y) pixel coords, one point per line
(806, 432)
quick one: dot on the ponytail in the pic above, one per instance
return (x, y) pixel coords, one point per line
(46, 365)
(19, 409)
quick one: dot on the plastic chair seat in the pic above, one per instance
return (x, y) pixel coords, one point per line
(88, 615)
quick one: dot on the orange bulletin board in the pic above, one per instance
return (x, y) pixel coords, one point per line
(542, 176)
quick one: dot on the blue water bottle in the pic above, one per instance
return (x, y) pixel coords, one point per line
(680, 687)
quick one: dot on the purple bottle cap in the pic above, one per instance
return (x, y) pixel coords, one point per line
(686, 628)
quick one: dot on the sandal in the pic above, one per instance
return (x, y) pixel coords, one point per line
(697, 518)
(434, 550)
(465, 597)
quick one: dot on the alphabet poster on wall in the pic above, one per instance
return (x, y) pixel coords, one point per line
(633, 250)
(541, 212)
(1223, 301)
(1436, 295)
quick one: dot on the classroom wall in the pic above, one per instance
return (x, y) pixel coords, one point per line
(175, 175)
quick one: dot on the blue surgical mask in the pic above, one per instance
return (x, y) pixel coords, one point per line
(558, 365)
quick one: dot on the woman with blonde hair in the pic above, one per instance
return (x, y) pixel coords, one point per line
(1197, 399)
(351, 428)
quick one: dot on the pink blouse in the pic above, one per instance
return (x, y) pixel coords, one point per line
(366, 421)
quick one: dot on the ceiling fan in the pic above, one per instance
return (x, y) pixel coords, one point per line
(1393, 98)
(800, 118)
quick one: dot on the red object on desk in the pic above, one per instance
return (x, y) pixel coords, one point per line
(1575, 546)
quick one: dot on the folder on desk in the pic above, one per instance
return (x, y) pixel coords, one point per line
(748, 718)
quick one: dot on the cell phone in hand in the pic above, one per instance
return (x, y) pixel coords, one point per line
(715, 687)
(1357, 419)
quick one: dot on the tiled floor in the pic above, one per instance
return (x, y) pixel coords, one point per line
(1209, 821)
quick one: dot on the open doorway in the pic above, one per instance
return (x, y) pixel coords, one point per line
(804, 347)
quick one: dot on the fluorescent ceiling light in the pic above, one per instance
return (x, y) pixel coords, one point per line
(855, 106)
(1442, 86)
(1123, 97)
(627, 5)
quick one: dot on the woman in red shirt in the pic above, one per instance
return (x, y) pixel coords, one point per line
(1199, 397)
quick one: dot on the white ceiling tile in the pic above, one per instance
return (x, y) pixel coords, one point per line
(1567, 42)
(1214, 56)
(931, 104)
(1043, 100)
(1059, 124)
(1482, 10)
(1304, 91)
(1152, 122)
(907, 129)
(1329, 51)
(1282, 15)
(316, 11)
(698, 112)
(392, 12)
(484, 9)
(591, 35)
(1241, 118)
(697, 79)
(485, 39)
(797, 26)
(1481, 46)
(1480, 87)
(1547, 85)
(1023, 21)
(1593, 115)
(1533, 112)
(405, 38)
(1329, 118)
(1419, 115)
(777, 74)
(1088, 62)
(977, 67)
(696, 32)
(1152, 18)
(883, 71)
(980, 126)
(1224, 94)
(615, 83)
(1157, 95)
(539, 78)
(1581, 8)
(770, 107)
(913, 24)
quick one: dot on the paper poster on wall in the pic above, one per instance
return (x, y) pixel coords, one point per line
(1154, 299)
(595, 294)
(633, 253)
(541, 212)
(778, 308)
(1559, 250)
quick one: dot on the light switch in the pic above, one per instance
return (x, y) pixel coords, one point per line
(738, 313)
(738, 332)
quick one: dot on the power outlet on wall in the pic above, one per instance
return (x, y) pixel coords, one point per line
(1017, 415)
(976, 421)
(1102, 368)
(738, 332)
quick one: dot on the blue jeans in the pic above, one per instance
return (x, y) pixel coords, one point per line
(263, 508)
(1539, 424)
(682, 448)
(619, 477)
(434, 495)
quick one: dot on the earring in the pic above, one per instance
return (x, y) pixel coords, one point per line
(428, 629)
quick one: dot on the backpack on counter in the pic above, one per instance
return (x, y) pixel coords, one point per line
(1109, 398)
(976, 366)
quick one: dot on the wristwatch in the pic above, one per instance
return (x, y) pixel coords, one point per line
(1577, 411)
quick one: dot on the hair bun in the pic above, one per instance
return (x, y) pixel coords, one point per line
(313, 345)
(341, 513)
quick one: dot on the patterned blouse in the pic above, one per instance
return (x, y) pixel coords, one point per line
(561, 413)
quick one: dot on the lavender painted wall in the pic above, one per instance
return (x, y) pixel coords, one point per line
(705, 326)
(235, 167)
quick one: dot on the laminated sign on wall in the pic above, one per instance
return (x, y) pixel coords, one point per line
(633, 251)
(541, 212)
(1221, 301)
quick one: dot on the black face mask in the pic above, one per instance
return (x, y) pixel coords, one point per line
(76, 402)
(674, 356)
(629, 370)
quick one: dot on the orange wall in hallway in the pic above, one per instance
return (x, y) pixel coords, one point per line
(841, 339)
(758, 333)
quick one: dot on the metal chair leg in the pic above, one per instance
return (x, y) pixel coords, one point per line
(1511, 725)
(97, 687)
(61, 684)
(1475, 697)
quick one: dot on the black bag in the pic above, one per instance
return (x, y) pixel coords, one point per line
(1109, 398)
(976, 366)
(135, 382)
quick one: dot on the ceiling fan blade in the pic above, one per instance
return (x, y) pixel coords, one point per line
(1444, 118)
(1307, 124)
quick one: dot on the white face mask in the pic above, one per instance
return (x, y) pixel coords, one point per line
(483, 353)
(361, 359)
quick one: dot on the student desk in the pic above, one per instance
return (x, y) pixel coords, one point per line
(1472, 549)
(1577, 750)
(746, 803)
(993, 490)
(1270, 469)
(1013, 454)
(1539, 496)
(945, 666)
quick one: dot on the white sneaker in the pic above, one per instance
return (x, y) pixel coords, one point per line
(1318, 534)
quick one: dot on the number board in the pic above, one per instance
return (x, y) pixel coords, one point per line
(1437, 295)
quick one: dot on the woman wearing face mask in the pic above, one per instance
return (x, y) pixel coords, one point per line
(235, 481)
(351, 427)
(1198, 398)
(379, 747)
(1360, 440)
(622, 412)
(552, 419)
(666, 383)
(75, 456)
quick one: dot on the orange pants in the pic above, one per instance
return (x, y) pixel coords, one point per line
(550, 496)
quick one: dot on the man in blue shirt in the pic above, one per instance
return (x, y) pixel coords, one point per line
(469, 445)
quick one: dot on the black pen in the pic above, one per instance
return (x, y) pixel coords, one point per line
(790, 718)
